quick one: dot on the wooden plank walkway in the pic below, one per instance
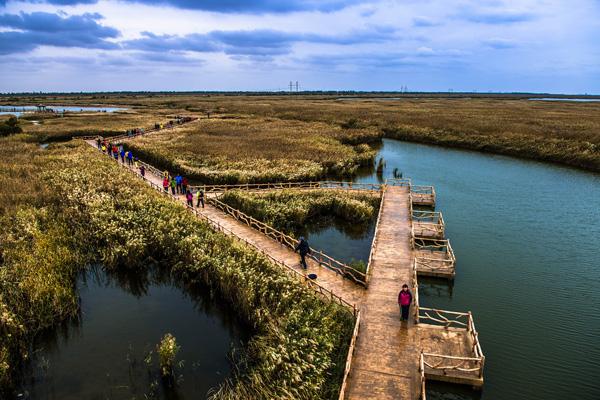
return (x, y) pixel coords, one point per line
(344, 288)
(386, 357)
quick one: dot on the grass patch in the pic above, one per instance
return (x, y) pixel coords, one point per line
(290, 211)
(244, 150)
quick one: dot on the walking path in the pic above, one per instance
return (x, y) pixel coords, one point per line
(386, 358)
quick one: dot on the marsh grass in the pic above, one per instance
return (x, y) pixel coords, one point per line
(53, 127)
(251, 149)
(290, 211)
(561, 132)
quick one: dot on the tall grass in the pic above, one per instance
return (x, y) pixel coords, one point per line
(291, 210)
(95, 211)
(256, 150)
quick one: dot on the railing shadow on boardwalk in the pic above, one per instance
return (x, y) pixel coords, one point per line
(449, 343)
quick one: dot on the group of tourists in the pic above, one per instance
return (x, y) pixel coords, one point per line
(179, 185)
(116, 151)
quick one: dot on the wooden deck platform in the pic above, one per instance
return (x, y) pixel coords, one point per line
(423, 196)
(428, 224)
(434, 258)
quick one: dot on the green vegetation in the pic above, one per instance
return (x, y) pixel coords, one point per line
(290, 210)
(10, 126)
(257, 150)
(167, 351)
(68, 206)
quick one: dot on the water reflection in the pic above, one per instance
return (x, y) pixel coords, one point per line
(108, 350)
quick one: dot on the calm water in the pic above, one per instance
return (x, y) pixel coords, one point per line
(352, 243)
(526, 236)
(19, 110)
(563, 99)
(101, 356)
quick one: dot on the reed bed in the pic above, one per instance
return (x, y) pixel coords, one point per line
(290, 211)
(241, 150)
(91, 210)
(54, 127)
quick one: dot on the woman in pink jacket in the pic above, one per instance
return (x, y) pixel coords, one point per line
(404, 301)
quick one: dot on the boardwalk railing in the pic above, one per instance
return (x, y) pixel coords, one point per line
(375, 236)
(290, 185)
(398, 182)
(415, 292)
(423, 195)
(316, 287)
(422, 377)
(349, 357)
(454, 320)
(434, 256)
(427, 224)
(317, 255)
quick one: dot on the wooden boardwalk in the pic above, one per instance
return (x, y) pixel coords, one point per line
(390, 359)
(386, 358)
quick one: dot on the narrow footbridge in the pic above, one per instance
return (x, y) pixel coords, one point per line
(387, 359)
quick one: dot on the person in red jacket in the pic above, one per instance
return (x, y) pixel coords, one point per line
(166, 184)
(404, 301)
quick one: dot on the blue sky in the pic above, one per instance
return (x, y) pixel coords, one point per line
(425, 45)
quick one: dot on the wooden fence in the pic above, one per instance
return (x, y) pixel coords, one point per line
(349, 357)
(323, 259)
(290, 186)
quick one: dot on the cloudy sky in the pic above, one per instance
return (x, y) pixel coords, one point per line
(429, 45)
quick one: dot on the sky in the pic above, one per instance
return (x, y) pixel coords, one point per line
(546, 46)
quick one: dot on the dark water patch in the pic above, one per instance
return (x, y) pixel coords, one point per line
(341, 240)
(104, 353)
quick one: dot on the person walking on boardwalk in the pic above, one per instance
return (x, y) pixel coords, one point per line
(166, 184)
(404, 301)
(200, 200)
(99, 142)
(122, 152)
(178, 183)
(173, 186)
(115, 153)
(103, 148)
(130, 157)
(190, 199)
(184, 185)
(303, 248)
(143, 171)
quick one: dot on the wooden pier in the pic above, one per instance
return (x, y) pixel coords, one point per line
(388, 359)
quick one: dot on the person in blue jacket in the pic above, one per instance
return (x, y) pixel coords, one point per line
(178, 180)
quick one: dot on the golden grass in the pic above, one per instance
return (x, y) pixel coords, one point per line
(54, 127)
(255, 150)
(561, 132)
